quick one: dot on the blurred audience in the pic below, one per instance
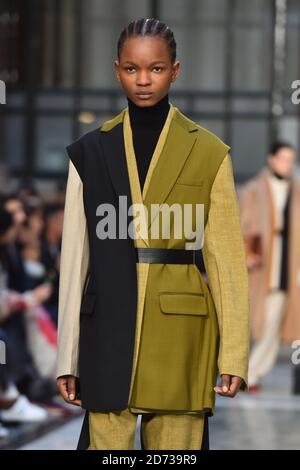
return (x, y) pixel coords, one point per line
(30, 239)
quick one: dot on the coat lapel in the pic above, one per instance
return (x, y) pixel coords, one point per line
(114, 154)
(173, 156)
(165, 166)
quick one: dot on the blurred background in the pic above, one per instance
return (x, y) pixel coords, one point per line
(238, 62)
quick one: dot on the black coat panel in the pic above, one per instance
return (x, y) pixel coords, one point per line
(104, 385)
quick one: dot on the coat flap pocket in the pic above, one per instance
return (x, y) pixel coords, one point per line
(183, 303)
(190, 181)
(87, 304)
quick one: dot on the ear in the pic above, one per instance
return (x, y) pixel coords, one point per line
(175, 70)
(270, 159)
(117, 67)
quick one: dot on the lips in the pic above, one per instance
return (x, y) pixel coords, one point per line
(144, 94)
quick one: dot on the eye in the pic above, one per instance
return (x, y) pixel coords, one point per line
(130, 68)
(157, 67)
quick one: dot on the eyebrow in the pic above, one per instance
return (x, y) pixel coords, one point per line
(152, 63)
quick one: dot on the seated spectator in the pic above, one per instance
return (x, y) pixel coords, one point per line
(14, 407)
(50, 256)
(25, 374)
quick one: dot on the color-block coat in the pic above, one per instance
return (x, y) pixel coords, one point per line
(151, 336)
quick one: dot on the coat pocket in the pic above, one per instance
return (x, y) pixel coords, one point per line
(183, 303)
(190, 181)
(88, 304)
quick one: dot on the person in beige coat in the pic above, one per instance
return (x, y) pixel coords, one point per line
(270, 210)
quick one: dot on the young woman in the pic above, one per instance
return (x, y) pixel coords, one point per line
(140, 332)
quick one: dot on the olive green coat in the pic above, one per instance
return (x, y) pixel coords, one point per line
(186, 330)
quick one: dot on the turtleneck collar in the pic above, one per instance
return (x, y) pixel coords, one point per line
(149, 116)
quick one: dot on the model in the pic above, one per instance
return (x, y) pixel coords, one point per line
(140, 332)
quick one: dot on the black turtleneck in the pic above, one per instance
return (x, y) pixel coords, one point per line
(146, 124)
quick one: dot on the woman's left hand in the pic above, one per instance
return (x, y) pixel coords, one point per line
(230, 385)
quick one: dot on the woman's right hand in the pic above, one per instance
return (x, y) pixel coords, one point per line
(42, 293)
(66, 385)
(254, 261)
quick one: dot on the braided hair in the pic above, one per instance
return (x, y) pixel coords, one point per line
(148, 27)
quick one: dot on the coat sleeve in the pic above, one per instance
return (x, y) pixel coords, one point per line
(225, 264)
(248, 208)
(73, 271)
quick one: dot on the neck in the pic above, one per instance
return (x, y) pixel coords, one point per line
(149, 116)
(278, 176)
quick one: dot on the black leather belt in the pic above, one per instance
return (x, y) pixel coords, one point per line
(165, 256)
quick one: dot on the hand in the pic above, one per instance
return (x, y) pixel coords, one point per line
(15, 301)
(66, 385)
(230, 385)
(42, 293)
(254, 261)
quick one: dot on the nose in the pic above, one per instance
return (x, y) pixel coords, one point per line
(143, 78)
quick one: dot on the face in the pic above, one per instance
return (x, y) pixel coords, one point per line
(36, 222)
(282, 162)
(15, 207)
(145, 69)
(55, 224)
(24, 235)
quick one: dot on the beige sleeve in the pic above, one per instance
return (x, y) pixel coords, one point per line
(74, 265)
(225, 264)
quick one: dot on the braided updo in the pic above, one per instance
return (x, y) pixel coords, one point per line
(149, 27)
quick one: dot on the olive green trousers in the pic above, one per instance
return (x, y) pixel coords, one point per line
(159, 431)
